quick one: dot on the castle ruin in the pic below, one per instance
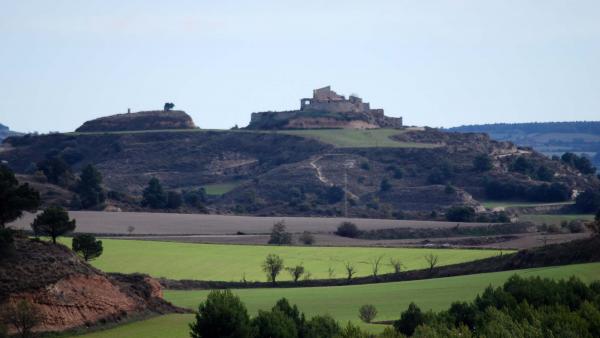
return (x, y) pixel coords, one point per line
(326, 109)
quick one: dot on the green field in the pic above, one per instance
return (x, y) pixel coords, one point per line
(518, 204)
(358, 138)
(343, 302)
(554, 219)
(229, 262)
(218, 189)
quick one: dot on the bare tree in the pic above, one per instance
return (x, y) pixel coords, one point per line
(350, 271)
(24, 316)
(375, 263)
(296, 272)
(330, 272)
(396, 264)
(272, 266)
(432, 261)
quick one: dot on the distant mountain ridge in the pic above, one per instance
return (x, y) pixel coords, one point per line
(550, 138)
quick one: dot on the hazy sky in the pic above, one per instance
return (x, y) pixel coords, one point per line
(437, 63)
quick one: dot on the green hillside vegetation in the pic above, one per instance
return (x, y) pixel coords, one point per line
(342, 302)
(232, 262)
(358, 138)
(218, 189)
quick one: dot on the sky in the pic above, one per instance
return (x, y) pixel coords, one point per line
(436, 63)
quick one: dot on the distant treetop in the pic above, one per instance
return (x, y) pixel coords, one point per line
(169, 106)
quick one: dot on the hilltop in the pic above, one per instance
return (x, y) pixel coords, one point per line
(6, 132)
(143, 120)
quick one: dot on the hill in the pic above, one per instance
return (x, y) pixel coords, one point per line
(144, 120)
(70, 293)
(383, 172)
(550, 138)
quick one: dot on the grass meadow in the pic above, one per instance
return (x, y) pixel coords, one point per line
(358, 138)
(555, 218)
(231, 262)
(342, 302)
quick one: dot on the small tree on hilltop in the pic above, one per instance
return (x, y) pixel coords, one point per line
(154, 196)
(222, 315)
(87, 246)
(53, 222)
(367, 313)
(169, 105)
(279, 235)
(14, 197)
(272, 266)
(89, 187)
(296, 272)
(24, 316)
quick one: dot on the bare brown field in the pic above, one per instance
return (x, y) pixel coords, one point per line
(145, 223)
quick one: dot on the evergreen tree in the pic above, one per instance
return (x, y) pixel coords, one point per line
(87, 246)
(154, 196)
(53, 222)
(14, 197)
(89, 187)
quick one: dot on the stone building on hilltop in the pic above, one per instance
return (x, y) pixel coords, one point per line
(326, 109)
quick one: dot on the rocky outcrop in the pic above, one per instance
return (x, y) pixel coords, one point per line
(70, 293)
(144, 120)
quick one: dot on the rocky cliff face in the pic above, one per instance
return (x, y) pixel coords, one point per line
(70, 293)
(144, 120)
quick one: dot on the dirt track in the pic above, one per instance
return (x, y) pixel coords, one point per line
(197, 224)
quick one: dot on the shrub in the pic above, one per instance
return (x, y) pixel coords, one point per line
(581, 163)
(87, 246)
(365, 166)
(174, 200)
(7, 241)
(460, 214)
(296, 272)
(385, 185)
(23, 315)
(53, 222)
(279, 235)
(482, 162)
(334, 194)
(222, 315)
(307, 238)
(347, 229)
(544, 173)
(367, 313)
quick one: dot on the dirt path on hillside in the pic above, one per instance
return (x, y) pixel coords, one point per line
(324, 179)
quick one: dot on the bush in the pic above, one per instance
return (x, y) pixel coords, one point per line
(279, 235)
(482, 162)
(222, 315)
(385, 185)
(272, 266)
(460, 214)
(321, 326)
(14, 197)
(307, 238)
(174, 200)
(334, 194)
(347, 229)
(87, 246)
(581, 163)
(367, 313)
(7, 242)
